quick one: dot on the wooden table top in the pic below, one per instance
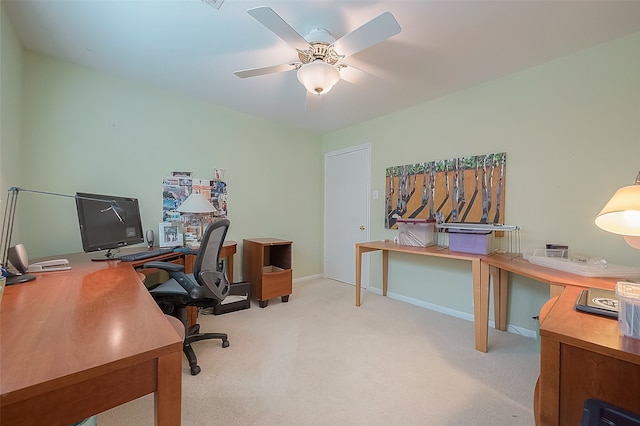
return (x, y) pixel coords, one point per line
(71, 325)
(588, 331)
(515, 263)
(426, 251)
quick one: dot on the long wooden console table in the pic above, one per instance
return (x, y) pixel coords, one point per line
(78, 342)
(480, 288)
(483, 267)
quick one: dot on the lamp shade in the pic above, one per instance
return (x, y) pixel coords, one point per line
(196, 203)
(621, 215)
(318, 76)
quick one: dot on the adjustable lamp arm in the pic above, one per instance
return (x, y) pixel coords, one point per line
(10, 212)
(7, 226)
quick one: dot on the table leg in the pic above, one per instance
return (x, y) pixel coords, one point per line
(358, 273)
(168, 396)
(385, 271)
(230, 268)
(500, 294)
(555, 290)
(481, 277)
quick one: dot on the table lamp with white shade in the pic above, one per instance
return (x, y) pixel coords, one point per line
(198, 205)
(621, 215)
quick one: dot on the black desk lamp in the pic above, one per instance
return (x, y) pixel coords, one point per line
(16, 255)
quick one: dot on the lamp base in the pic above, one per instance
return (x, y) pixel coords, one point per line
(18, 279)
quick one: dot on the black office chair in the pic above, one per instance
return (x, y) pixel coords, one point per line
(599, 413)
(205, 287)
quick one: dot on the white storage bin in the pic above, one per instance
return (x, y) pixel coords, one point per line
(416, 232)
(628, 295)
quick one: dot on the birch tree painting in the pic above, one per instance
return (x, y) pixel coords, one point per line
(465, 189)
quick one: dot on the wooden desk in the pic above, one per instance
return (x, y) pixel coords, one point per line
(76, 343)
(480, 288)
(583, 356)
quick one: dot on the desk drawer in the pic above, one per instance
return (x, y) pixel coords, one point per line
(276, 282)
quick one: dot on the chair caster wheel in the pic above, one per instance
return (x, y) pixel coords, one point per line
(225, 343)
(195, 370)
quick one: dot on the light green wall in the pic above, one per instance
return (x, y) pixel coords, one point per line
(571, 131)
(10, 107)
(90, 132)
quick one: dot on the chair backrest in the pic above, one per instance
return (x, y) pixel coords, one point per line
(205, 269)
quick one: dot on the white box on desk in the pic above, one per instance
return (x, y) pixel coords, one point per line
(416, 232)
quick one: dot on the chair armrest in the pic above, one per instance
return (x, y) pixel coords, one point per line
(167, 266)
(216, 282)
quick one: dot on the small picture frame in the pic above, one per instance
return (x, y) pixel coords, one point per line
(170, 235)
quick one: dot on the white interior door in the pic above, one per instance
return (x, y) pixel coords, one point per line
(346, 211)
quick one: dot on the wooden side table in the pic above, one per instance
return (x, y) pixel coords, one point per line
(266, 264)
(583, 356)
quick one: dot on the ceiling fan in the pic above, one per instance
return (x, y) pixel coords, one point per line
(320, 54)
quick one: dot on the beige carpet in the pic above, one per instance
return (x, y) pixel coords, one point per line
(320, 360)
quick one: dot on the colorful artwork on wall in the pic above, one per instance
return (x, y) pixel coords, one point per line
(176, 189)
(464, 189)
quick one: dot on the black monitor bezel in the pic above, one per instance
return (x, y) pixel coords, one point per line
(82, 198)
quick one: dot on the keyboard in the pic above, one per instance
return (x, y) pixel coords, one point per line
(141, 255)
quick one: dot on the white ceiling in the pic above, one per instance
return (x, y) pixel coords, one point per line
(191, 47)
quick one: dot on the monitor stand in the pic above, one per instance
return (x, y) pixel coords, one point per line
(18, 279)
(107, 256)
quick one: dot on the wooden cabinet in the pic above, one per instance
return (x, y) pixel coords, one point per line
(266, 264)
(583, 356)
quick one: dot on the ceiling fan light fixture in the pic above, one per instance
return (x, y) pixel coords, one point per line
(318, 76)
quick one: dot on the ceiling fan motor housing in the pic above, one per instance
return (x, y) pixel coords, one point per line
(320, 47)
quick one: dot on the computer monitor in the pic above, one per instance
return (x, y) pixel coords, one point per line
(108, 222)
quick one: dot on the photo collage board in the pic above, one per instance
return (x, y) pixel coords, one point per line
(177, 187)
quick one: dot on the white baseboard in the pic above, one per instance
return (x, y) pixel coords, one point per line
(448, 311)
(308, 278)
(297, 280)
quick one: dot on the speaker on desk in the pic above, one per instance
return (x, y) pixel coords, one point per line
(150, 238)
(18, 258)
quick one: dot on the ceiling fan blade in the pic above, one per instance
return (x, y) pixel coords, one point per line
(351, 74)
(266, 70)
(373, 32)
(270, 19)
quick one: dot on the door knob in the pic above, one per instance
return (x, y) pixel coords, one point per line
(362, 227)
